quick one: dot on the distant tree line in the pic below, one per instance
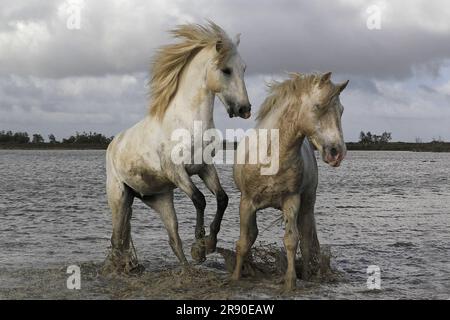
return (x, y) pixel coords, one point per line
(88, 138)
(79, 138)
(17, 137)
(370, 138)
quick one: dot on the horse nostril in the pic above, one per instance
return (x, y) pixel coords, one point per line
(333, 152)
(244, 109)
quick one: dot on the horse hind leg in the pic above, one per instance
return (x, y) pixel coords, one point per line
(309, 242)
(163, 204)
(120, 200)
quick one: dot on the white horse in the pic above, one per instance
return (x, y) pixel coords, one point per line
(186, 77)
(302, 107)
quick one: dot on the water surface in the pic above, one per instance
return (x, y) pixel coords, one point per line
(390, 209)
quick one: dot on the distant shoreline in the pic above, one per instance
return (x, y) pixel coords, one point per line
(354, 146)
(52, 146)
(401, 146)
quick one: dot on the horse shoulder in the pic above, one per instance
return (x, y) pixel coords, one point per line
(135, 149)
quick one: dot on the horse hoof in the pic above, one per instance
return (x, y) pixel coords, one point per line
(113, 265)
(113, 269)
(198, 252)
(121, 263)
(210, 243)
(235, 277)
(137, 269)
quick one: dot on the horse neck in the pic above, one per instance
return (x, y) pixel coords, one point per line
(290, 136)
(193, 101)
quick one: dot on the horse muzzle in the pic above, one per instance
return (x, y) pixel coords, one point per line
(334, 155)
(244, 111)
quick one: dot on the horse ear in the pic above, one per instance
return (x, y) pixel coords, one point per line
(325, 78)
(237, 39)
(219, 45)
(343, 85)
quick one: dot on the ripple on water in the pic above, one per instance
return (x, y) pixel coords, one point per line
(371, 211)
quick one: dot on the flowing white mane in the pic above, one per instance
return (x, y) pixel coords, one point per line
(170, 60)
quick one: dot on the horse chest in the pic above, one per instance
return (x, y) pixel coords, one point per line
(270, 191)
(289, 179)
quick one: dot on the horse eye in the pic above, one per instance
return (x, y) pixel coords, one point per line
(227, 71)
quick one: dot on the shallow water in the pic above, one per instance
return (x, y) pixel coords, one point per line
(390, 209)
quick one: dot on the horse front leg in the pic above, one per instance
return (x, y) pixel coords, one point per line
(291, 207)
(183, 181)
(212, 182)
(248, 234)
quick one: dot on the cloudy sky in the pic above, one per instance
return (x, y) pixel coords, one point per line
(56, 79)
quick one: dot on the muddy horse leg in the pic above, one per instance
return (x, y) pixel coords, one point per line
(248, 234)
(212, 182)
(290, 207)
(309, 243)
(163, 205)
(120, 200)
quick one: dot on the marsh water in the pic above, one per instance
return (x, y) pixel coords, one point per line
(389, 209)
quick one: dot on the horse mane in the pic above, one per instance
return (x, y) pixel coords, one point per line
(170, 60)
(294, 86)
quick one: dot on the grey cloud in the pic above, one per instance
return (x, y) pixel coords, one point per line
(33, 10)
(286, 36)
(427, 89)
(361, 83)
(318, 35)
(57, 80)
(72, 104)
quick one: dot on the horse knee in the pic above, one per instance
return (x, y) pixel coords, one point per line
(222, 203)
(291, 240)
(222, 200)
